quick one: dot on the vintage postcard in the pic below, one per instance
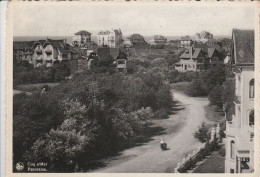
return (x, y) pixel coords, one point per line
(140, 88)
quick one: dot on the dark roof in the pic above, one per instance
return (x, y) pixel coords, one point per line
(93, 55)
(57, 44)
(187, 54)
(39, 42)
(104, 53)
(202, 46)
(114, 52)
(211, 52)
(185, 38)
(243, 42)
(83, 32)
(22, 45)
(121, 55)
(208, 50)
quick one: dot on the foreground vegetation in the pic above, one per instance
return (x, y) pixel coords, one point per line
(68, 128)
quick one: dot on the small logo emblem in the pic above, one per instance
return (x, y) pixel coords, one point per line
(19, 166)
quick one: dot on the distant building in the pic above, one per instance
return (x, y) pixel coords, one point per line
(240, 130)
(23, 51)
(50, 52)
(108, 53)
(81, 38)
(186, 41)
(121, 60)
(92, 57)
(159, 39)
(198, 58)
(190, 60)
(110, 38)
(174, 43)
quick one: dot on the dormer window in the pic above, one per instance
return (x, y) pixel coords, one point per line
(251, 88)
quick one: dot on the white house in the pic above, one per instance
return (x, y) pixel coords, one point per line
(185, 41)
(81, 38)
(110, 38)
(50, 52)
(240, 130)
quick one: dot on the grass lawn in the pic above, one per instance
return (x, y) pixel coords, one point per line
(181, 86)
(34, 87)
(214, 164)
(213, 115)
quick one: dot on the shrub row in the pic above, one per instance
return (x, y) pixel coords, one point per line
(207, 150)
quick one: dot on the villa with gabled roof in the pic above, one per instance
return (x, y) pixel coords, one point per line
(50, 52)
(198, 58)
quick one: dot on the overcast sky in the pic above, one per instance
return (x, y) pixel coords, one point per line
(150, 19)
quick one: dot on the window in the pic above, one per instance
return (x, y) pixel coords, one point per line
(232, 150)
(251, 88)
(251, 118)
(121, 62)
(232, 171)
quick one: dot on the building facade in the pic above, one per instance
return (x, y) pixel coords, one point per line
(121, 60)
(159, 39)
(22, 51)
(198, 59)
(186, 41)
(50, 52)
(240, 130)
(110, 38)
(81, 38)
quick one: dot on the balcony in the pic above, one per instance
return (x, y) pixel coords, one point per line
(38, 50)
(48, 51)
(38, 58)
(231, 128)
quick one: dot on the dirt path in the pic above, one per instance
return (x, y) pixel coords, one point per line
(149, 157)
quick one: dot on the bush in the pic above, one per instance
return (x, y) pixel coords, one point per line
(215, 96)
(202, 134)
(222, 152)
(197, 88)
(161, 114)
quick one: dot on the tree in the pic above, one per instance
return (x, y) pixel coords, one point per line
(61, 71)
(62, 147)
(215, 96)
(202, 134)
(197, 87)
(228, 97)
(214, 76)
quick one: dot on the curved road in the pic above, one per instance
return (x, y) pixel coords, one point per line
(149, 158)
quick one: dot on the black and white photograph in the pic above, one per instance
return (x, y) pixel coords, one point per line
(131, 87)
